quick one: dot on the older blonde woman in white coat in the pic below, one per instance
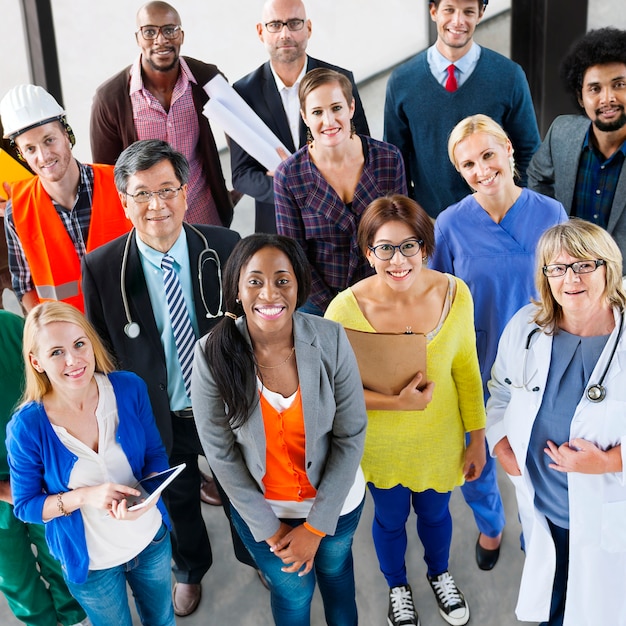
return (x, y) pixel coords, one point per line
(556, 419)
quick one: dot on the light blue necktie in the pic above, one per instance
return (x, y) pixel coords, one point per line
(184, 335)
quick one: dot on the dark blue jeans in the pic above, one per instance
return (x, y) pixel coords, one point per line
(434, 528)
(291, 594)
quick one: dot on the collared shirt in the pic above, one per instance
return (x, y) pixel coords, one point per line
(75, 219)
(596, 183)
(179, 127)
(291, 102)
(464, 66)
(151, 264)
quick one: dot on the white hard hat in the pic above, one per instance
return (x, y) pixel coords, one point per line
(27, 106)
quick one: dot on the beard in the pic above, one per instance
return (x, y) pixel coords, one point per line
(609, 127)
(162, 68)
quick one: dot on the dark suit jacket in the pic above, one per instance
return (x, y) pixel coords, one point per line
(104, 308)
(259, 90)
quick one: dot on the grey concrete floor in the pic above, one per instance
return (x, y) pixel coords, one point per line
(232, 593)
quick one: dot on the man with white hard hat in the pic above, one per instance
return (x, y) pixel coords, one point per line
(67, 209)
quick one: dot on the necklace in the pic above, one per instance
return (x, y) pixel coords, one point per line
(273, 367)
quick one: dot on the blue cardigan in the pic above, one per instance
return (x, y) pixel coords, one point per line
(40, 466)
(420, 113)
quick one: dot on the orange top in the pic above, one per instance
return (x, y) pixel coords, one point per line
(285, 475)
(52, 259)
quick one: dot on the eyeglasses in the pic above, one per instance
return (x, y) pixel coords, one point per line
(143, 197)
(276, 26)
(580, 267)
(386, 251)
(169, 31)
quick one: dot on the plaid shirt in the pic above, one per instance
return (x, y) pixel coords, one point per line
(76, 222)
(596, 183)
(309, 210)
(179, 127)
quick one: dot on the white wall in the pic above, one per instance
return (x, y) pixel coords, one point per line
(95, 39)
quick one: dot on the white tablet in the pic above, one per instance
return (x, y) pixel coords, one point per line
(152, 486)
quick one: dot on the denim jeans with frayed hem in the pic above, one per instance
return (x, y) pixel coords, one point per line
(333, 569)
(104, 597)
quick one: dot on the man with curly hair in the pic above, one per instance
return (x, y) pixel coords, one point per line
(581, 160)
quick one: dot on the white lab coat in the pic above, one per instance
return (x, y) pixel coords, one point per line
(596, 592)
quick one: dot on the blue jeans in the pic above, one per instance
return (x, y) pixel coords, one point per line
(434, 528)
(103, 595)
(333, 568)
(483, 497)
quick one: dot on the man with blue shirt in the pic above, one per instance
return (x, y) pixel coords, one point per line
(429, 94)
(127, 288)
(581, 160)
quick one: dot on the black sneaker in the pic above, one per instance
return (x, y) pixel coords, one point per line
(451, 601)
(401, 608)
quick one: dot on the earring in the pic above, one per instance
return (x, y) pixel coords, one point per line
(237, 300)
(352, 129)
(309, 136)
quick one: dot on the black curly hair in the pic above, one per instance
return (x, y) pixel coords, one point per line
(597, 47)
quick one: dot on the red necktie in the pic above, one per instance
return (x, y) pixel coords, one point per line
(451, 81)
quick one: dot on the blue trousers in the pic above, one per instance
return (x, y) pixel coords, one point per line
(434, 528)
(103, 595)
(483, 497)
(291, 594)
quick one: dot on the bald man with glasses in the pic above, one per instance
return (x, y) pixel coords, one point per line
(272, 92)
(161, 96)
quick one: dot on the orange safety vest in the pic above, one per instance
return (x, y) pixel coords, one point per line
(52, 259)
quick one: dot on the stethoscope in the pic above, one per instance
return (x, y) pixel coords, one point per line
(132, 329)
(595, 392)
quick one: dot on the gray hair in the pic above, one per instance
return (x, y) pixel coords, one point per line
(142, 155)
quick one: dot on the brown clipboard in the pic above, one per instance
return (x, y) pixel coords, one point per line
(388, 361)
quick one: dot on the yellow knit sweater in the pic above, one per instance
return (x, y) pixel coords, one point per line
(425, 449)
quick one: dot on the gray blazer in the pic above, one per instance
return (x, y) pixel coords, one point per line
(554, 168)
(334, 424)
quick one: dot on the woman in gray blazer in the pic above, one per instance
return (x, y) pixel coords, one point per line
(279, 408)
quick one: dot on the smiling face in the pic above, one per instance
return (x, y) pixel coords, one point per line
(603, 96)
(578, 293)
(485, 163)
(66, 355)
(400, 272)
(160, 54)
(47, 150)
(327, 113)
(158, 222)
(456, 22)
(268, 291)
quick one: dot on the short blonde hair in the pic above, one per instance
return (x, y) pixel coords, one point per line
(477, 124)
(37, 383)
(581, 240)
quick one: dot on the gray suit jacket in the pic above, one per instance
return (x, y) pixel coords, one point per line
(334, 422)
(554, 168)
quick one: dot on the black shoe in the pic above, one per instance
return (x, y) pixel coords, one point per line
(486, 559)
(452, 605)
(401, 608)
